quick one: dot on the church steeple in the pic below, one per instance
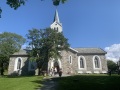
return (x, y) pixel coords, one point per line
(56, 17)
(56, 25)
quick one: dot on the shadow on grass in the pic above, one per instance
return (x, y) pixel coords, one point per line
(89, 82)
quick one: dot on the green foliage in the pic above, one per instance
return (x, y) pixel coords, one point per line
(111, 65)
(9, 44)
(57, 2)
(46, 44)
(17, 3)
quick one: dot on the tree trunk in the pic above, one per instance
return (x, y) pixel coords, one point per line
(2, 68)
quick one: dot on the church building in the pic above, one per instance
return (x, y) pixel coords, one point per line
(73, 61)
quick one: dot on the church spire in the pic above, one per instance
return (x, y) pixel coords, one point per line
(56, 25)
(56, 17)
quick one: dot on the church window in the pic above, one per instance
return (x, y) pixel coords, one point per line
(57, 29)
(19, 63)
(70, 59)
(81, 63)
(96, 61)
(32, 65)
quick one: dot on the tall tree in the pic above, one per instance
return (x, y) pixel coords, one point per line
(9, 43)
(111, 65)
(46, 44)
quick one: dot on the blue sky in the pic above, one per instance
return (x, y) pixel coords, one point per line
(86, 23)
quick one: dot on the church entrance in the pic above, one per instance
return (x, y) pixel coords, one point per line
(56, 66)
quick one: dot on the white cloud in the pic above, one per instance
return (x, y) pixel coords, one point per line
(113, 52)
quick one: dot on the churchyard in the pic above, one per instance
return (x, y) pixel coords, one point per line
(78, 82)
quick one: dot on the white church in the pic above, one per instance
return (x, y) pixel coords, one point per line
(73, 61)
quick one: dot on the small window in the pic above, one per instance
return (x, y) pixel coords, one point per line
(70, 59)
(57, 29)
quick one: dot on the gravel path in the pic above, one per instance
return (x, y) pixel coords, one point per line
(50, 84)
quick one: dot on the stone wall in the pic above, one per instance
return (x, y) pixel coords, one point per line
(24, 68)
(67, 67)
(73, 68)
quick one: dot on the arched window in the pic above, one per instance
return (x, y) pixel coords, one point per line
(96, 62)
(70, 59)
(81, 63)
(19, 63)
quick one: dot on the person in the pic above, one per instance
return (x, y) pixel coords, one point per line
(51, 71)
(60, 72)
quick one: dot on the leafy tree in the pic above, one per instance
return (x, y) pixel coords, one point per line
(17, 3)
(46, 44)
(111, 65)
(9, 44)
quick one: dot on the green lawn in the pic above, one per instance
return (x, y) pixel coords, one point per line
(20, 83)
(89, 82)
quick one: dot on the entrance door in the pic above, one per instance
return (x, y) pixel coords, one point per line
(56, 65)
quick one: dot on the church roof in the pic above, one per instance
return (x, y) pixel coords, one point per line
(21, 52)
(90, 50)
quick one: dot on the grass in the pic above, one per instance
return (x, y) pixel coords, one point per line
(89, 82)
(20, 83)
(79, 82)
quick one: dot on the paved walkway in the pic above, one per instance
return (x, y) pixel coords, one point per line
(51, 83)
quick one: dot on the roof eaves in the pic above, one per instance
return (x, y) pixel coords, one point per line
(73, 49)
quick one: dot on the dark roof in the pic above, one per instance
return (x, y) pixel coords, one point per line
(90, 50)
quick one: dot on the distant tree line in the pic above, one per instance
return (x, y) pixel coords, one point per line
(112, 66)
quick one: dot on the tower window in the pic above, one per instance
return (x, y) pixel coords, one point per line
(56, 28)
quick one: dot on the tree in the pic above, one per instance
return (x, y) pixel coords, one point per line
(17, 3)
(111, 65)
(9, 44)
(46, 44)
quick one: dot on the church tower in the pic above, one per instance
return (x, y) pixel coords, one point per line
(56, 25)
